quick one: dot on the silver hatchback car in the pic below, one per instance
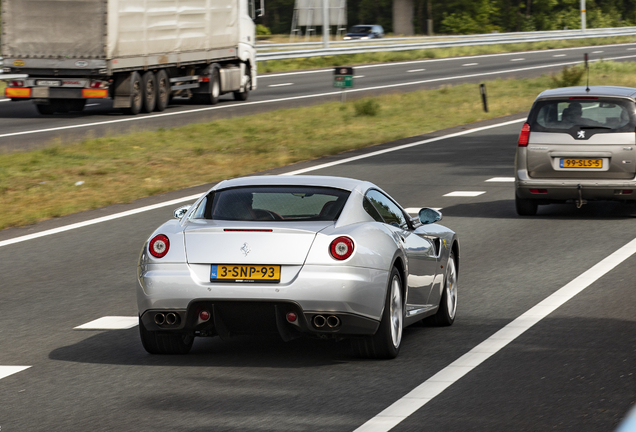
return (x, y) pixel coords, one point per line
(578, 144)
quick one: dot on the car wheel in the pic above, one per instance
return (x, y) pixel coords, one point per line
(165, 342)
(445, 315)
(386, 342)
(525, 207)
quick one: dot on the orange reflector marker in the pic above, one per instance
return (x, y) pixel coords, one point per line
(17, 92)
(94, 93)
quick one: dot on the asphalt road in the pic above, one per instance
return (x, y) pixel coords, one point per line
(573, 370)
(21, 127)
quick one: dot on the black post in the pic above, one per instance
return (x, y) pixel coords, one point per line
(482, 90)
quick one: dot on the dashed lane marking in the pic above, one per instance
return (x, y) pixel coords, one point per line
(464, 194)
(280, 85)
(517, 59)
(429, 389)
(110, 323)
(597, 52)
(501, 179)
(5, 371)
(470, 64)
(358, 76)
(415, 70)
(559, 55)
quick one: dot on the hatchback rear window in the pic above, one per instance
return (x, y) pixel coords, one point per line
(277, 203)
(563, 115)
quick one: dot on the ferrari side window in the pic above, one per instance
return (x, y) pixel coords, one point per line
(368, 207)
(387, 208)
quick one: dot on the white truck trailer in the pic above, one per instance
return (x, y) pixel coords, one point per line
(139, 53)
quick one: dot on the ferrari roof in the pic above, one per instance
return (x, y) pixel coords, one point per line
(297, 180)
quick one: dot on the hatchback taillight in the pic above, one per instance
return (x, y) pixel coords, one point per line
(341, 248)
(524, 136)
(159, 246)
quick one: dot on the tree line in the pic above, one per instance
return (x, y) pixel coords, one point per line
(473, 16)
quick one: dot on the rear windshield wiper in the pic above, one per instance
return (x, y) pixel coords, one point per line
(595, 127)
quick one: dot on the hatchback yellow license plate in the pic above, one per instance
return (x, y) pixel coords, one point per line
(244, 273)
(581, 163)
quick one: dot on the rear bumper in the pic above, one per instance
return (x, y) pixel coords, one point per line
(562, 189)
(355, 295)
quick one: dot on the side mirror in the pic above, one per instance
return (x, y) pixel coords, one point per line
(181, 211)
(429, 216)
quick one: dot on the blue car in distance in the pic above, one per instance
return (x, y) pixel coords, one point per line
(363, 31)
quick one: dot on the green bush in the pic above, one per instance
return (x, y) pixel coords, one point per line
(261, 30)
(570, 76)
(367, 107)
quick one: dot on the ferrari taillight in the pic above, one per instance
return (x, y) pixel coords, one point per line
(524, 136)
(159, 246)
(341, 248)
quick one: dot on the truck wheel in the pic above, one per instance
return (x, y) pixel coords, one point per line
(163, 90)
(211, 93)
(45, 109)
(242, 95)
(136, 94)
(149, 86)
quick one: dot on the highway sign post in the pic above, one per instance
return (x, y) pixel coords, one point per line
(343, 79)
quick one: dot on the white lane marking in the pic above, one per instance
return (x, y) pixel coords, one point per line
(470, 64)
(402, 147)
(91, 105)
(501, 179)
(110, 323)
(415, 70)
(416, 210)
(425, 392)
(597, 52)
(517, 59)
(559, 55)
(335, 93)
(195, 197)
(5, 371)
(629, 423)
(446, 59)
(5, 100)
(96, 221)
(280, 85)
(358, 76)
(464, 194)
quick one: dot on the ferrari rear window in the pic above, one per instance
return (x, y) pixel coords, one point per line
(277, 203)
(563, 115)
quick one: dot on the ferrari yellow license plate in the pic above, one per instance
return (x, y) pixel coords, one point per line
(244, 273)
(581, 163)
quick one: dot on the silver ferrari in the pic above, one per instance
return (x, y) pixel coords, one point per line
(328, 257)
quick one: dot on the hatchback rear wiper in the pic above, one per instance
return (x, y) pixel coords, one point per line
(595, 127)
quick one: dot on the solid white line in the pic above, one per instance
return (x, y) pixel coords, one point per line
(96, 221)
(110, 323)
(501, 179)
(464, 194)
(335, 93)
(5, 371)
(281, 85)
(470, 64)
(194, 197)
(402, 147)
(425, 392)
(415, 70)
(517, 59)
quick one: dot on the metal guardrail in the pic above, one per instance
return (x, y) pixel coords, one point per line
(407, 44)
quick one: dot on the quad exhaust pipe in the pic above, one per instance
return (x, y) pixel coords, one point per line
(331, 321)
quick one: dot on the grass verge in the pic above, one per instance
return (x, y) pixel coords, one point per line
(94, 173)
(387, 56)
